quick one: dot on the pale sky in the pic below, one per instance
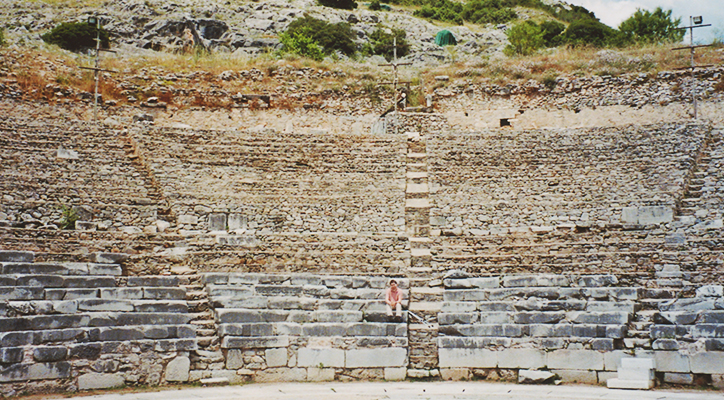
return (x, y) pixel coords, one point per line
(613, 12)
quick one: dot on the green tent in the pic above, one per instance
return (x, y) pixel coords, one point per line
(445, 38)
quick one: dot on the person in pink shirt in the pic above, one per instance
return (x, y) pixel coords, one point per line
(393, 298)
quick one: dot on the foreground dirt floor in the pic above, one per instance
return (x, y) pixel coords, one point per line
(404, 391)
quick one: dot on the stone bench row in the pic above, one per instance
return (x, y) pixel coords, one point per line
(538, 304)
(43, 307)
(88, 342)
(296, 281)
(94, 280)
(293, 296)
(91, 320)
(241, 315)
(327, 329)
(581, 360)
(24, 268)
(535, 317)
(538, 280)
(103, 296)
(299, 303)
(23, 372)
(614, 294)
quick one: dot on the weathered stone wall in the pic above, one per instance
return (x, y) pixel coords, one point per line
(500, 181)
(77, 326)
(261, 182)
(48, 165)
(305, 327)
(578, 327)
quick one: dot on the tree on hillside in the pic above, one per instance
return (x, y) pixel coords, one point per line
(524, 38)
(591, 32)
(651, 27)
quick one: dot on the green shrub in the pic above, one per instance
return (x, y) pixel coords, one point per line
(651, 27)
(488, 12)
(2, 36)
(298, 43)
(75, 36)
(382, 42)
(375, 5)
(68, 217)
(341, 4)
(591, 32)
(525, 38)
(329, 37)
(552, 32)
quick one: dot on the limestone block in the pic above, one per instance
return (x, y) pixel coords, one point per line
(492, 306)
(281, 375)
(458, 307)
(395, 374)
(238, 316)
(320, 374)
(94, 380)
(276, 357)
(11, 355)
(448, 318)
(710, 291)
(34, 372)
(717, 380)
(576, 376)
(104, 305)
(637, 369)
(510, 281)
(338, 316)
(455, 374)
(465, 295)
(600, 318)
(678, 378)
(234, 359)
(187, 220)
(707, 363)
(551, 330)
(278, 290)
(597, 280)
(376, 358)
(120, 334)
(526, 376)
(234, 342)
(521, 358)
(326, 329)
(310, 357)
(121, 293)
(647, 215)
(158, 293)
(49, 353)
(575, 359)
(467, 358)
(712, 317)
(246, 329)
(177, 370)
(546, 317)
(665, 344)
(217, 222)
(237, 221)
(496, 318)
(17, 256)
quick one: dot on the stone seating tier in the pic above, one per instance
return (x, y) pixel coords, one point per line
(495, 180)
(74, 164)
(62, 320)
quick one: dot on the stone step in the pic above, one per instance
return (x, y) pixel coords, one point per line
(420, 252)
(425, 306)
(416, 175)
(417, 167)
(416, 156)
(417, 203)
(418, 188)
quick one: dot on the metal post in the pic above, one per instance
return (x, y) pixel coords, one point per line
(693, 77)
(97, 71)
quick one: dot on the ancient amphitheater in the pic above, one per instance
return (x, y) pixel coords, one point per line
(232, 256)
